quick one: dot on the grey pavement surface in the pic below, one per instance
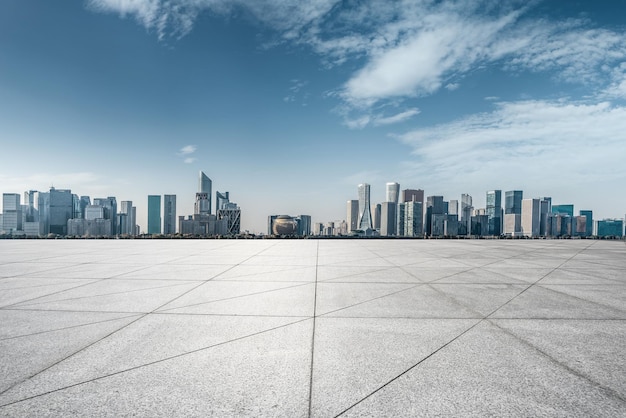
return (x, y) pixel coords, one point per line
(308, 328)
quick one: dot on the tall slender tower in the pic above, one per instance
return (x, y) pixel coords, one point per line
(365, 215)
(203, 197)
(352, 215)
(154, 214)
(169, 214)
(494, 211)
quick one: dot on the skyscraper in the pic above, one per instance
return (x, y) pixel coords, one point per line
(127, 209)
(494, 212)
(545, 209)
(203, 202)
(531, 215)
(376, 209)
(434, 206)
(413, 219)
(412, 195)
(169, 214)
(221, 200)
(61, 210)
(513, 202)
(589, 225)
(154, 214)
(12, 216)
(388, 219)
(393, 192)
(566, 209)
(466, 212)
(365, 215)
(110, 212)
(352, 215)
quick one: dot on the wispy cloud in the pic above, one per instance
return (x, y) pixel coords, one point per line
(187, 149)
(294, 90)
(406, 49)
(186, 152)
(379, 119)
(527, 142)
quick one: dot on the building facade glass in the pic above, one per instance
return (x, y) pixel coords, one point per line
(154, 214)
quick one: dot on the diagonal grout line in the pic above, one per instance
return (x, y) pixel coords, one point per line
(85, 284)
(580, 298)
(412, 287)
(68, 327)
(51, 294)
(409, 369)
(155, 362)
(180, 283)
(240, 296)
(313, 333)
(485, 318)
(125, 326)
(573, 371)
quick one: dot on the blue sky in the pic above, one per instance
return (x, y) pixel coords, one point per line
(288, 105)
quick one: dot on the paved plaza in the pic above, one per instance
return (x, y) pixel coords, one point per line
(312, 328)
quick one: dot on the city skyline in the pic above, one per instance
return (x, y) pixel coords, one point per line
(289, 106)
(389, 217)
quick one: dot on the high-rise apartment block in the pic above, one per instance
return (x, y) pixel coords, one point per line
(412, 219)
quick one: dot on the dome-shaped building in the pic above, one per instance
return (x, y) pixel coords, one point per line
(284, 225)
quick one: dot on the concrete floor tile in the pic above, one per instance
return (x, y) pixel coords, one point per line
(354, 357)
(265, 375)
(487, 372)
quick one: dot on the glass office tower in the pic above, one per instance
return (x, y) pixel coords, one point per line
(494, 212)
(154, 214)
(513, 202)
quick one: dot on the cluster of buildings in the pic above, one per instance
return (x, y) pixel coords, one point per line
(404, 213)
(407, 213)
(225, 221)
(60, 212)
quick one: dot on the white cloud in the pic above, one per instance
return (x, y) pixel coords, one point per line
(187, 149)
(294, 90)
(452, 86)
(177, 17)
(189, 160)
(400, 117)
(555, 145)
(379, 119)
(406, 48)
